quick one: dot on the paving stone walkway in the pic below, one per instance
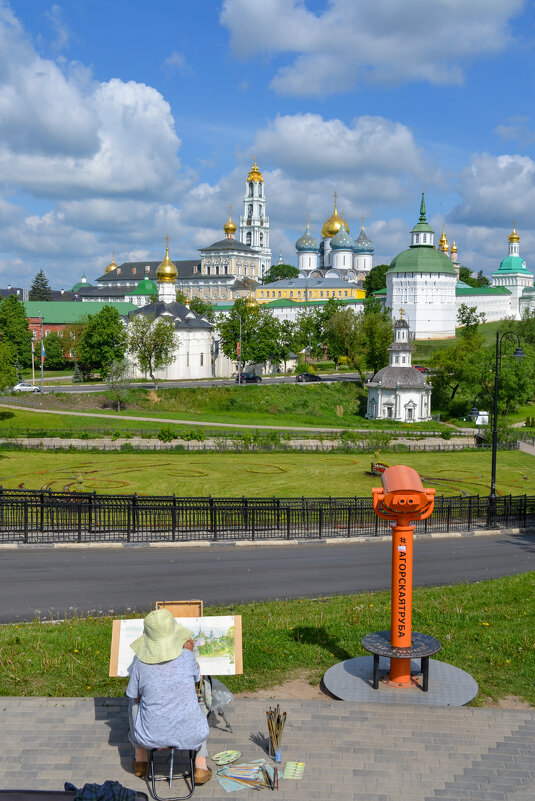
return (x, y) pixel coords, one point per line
(353, 752)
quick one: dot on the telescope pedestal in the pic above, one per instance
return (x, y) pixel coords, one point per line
(422, 647)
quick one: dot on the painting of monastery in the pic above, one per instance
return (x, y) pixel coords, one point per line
(217, 640)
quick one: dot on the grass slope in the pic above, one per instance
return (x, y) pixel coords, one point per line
(254, 474)
(336, 405)
(485, 628)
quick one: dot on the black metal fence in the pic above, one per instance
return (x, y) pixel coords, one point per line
(45, 516)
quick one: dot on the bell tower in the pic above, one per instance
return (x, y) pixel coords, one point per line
(254, 222)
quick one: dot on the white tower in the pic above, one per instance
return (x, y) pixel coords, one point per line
(254, 222)
(363, 250)
(307, 252)
(422, 280)
(513, 274)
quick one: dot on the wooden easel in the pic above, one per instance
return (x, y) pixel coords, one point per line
(182, 608)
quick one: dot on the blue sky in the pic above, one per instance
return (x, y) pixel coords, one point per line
(122, 121)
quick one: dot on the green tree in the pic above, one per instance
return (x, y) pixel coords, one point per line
(152, 343)
(102, 342)
(377, 333)
(286, 343)
(40, 289)
(311, 326)
(260, 333)
(343, 336)
(203, 308)
(54, 358)
(466, 275)
(280, 271)
(8, 374)
(470, 319)
(14, 329)
(376, 278)
(77, 377)
(118, 382)
(181, 297)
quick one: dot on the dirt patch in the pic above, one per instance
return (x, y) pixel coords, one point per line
(298, 688)
(509, 702)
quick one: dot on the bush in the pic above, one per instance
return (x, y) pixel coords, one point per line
(167, 434)
(446, 435)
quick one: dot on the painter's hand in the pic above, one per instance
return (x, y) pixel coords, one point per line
(189, 645)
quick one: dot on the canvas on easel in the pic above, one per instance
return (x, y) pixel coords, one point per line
(192, 608)
(217, 640)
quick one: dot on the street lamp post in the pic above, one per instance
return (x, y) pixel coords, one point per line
(518, 355)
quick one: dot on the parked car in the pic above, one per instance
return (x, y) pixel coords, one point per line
(23, 386)
(308, 377)
(421, 368)
(248, 378)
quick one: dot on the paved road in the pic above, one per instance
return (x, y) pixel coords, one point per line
(56, 581)
(216, 382)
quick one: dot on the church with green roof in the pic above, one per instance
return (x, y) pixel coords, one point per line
(423, 284)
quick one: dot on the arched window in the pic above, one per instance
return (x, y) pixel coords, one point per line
(261, 238)
(250, 210)
(250, 188)
(248, 238)
(260, 189)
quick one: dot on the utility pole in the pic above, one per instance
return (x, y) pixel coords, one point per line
(42, 353)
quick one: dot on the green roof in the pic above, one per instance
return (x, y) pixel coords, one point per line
(422, 259)
(380, 291)
(145, 287)
(422, 224)
(79, 285)
(512, 264)
(65, 312)
(481, 290)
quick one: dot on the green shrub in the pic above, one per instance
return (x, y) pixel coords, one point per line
(446, 435)
(167, 434)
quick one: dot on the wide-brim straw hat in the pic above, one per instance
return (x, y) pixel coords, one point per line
(162, 639)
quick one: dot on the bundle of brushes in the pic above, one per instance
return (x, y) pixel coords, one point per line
(275, 722)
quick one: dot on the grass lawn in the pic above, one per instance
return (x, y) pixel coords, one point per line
(257, 474)
(424, 350)
(485, 628)
(336, 405)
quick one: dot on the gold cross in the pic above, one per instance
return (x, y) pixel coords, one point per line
(167, 241)
(401, 313)
(335, 198)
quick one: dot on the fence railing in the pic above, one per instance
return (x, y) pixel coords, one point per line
(46, 516)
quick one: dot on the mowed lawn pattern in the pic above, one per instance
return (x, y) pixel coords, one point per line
(260, 475)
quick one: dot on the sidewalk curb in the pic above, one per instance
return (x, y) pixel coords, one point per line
(11, 546)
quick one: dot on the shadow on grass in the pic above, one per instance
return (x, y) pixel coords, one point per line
(312, 635)
(6, 415)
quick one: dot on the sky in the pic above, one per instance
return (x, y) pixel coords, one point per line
(124, 121)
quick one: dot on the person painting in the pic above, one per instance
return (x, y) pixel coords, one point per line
(164, 710)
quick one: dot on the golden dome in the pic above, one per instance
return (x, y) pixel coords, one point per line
(230, 227)
(167, 271)
(255, 174)
(454, 247)
(513, 237)
(333, 224)
(111, 266)
(443, 242)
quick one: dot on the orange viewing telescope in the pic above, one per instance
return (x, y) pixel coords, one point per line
(402, 501)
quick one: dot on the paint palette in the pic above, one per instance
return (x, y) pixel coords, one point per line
(226, 757)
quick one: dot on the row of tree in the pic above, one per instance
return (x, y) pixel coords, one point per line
(331, 330)
(94, 343)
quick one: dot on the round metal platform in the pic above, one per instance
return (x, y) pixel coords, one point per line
(352, 681)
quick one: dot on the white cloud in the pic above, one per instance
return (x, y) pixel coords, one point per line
(385, 42)
(307, 144)
(59, 26)
(495, 190)
(177, 62)
(63, 134)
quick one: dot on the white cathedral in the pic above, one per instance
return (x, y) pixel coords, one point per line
(337, 255)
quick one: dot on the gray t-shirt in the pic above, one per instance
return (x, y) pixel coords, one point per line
(169, 712)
